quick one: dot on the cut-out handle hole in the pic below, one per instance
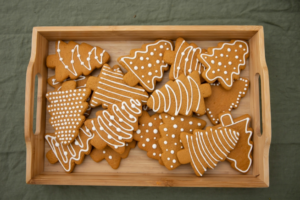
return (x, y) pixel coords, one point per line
(258, 80)
(35, 110)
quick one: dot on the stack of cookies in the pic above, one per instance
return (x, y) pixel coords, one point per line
(201, 82)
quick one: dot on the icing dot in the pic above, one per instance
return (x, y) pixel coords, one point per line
(104, 152)
(154, 146)
(221, 55)
(112, 117)
(236, 57)
(182, 119)
(157, 61)
(66, 66)
(149, 124)
(56, 144)
(190, 122)
(120, 138)
(229, 62)
(240, 46)
(142, 67)
(173, 135)
(118, 129)
(147, 58)
(154, 49)
(150, 73)
(148, 81)
(160, 54)
(181, 129)
(199, 124)
(110, 157)
(155, 131)
(143, 145)
(141, 58)
(186, 59)
(212, 62)
(60, 59)
(175, 125)
(172, 151)
(219, 63)
(149, 65)
(172, 118)
(213, 71)
(228, 49)
(58, 50)
(135, 68)
(151, 53)
(72, 61)
(161, 46)
(165, 129)
(225, 72)
(154, 154)
(147, 139)
(174, 161)
(109, 136)
(168, 158)
(165, 142)
(156, 71)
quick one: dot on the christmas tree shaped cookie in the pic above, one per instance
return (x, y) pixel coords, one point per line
(114, 126)
(241, 157)
(205, 148)
(224, 62)
(111, 156)
(148, 135)
(182, 96)
(72, 59)
(184, 59)
(146, 65)
(71, 154)
(222, 100)
(170, 142)
(109, 88)
(67, 108)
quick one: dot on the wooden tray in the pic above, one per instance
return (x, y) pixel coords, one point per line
(138, 169)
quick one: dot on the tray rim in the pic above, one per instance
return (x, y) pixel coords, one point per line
(41, 36)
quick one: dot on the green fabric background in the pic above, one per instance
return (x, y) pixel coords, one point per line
(281, 21)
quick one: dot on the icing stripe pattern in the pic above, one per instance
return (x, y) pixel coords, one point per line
(74, 152)
(112, 89)
(115, 126)
(207, 148)
(189, 93)
(183, 56)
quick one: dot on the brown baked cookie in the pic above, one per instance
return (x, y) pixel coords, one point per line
(148, 135)
(109, 88)
(72, 59)
(66, 109)
(111, 156)
(146, 66)
(71, 154)
(241, 157)
(205, 148)
(183, 59)
(81, 82)
(222, 100)
(183, 96)
(224, 62)
(114, 126)
(170, 142)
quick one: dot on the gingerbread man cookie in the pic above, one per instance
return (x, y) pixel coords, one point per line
(184, 59)
(241, 157)
(146, 65)
(114, 126)
(72, 60)
(205, 148)
(148, 135)
(225, 62)
(170, 142)
(67, 108)
(71, 154)
(182, 96)
(111, 156)
(109, 88)
(222, 100)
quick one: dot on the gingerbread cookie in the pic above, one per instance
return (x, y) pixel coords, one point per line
(146, 65)
(72, 59)
(71, 154)
(114, 126)
(205, 148)
(182, 96)
(81, 82)
(184, 59)
(170, 142)
(241, 157)
(66, 109)
(148, 135)
(224, 62)
(109, 88)
(222, 100)
(112, 157)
